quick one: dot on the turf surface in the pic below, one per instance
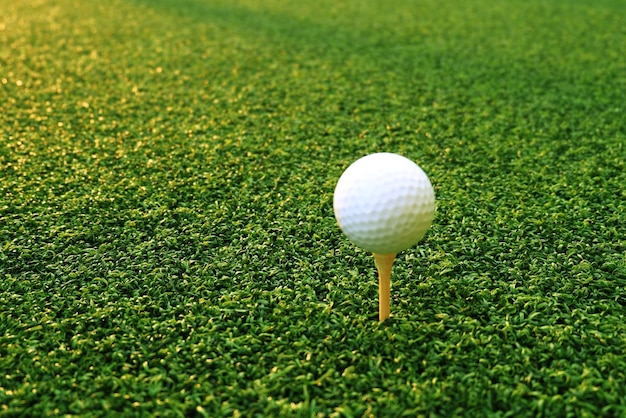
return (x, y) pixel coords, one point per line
(167, 242)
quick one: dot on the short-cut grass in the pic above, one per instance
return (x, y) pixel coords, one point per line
(167, 240)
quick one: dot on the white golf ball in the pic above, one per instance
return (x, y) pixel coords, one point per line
(384, 203)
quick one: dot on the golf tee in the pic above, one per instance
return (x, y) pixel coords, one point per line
(384, 262)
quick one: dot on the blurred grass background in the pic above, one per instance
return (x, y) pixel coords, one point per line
(167, 242)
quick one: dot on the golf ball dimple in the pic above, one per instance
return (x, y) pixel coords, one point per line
(384, 203)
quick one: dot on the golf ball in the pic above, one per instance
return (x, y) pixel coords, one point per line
(384, 203)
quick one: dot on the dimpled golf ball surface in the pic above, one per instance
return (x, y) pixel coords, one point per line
(384, 203)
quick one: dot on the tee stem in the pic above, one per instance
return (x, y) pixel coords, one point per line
(384, 263)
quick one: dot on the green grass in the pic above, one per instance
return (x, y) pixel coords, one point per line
(167, 241)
